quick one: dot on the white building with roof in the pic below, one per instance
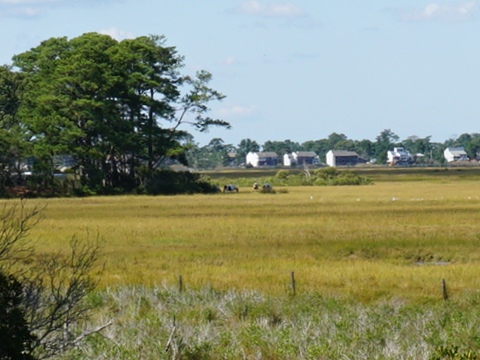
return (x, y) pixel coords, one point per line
(301, 158)
(342, 158)
(257, 159)
(399, 156)
(453, 154)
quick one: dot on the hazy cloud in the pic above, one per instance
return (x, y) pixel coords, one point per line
(229, 60)
(236, 110)
(27, 2)
(441, 12)
(117, 34)
(33, 8)
(257, 8)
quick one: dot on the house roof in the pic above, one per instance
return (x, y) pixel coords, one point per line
(266, 154)
(344, 153)
(456, 151)
(306, 154)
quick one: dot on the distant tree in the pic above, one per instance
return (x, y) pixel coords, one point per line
(384, 142)
(365, 148)
(214, 154)
(417, 145)
(281, 147)
(463, 140)
(320, 147)
(334, 139)
(436, 153)
(244, 147)
(472, 148)
(345, 144)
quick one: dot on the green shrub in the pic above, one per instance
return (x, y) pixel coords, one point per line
(282, 174)
(16, 339)
(167, 182)
(332, 176)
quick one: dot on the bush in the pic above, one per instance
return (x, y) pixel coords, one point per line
(282, 174)
(16, 338)
(42, 298)
(167, 182)
(332, 176)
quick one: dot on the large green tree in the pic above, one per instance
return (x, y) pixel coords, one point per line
(13, 135)
(115, 106)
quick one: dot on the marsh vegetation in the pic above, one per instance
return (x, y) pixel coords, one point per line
(368, 262)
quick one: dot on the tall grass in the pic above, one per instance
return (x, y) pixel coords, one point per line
(388, 240)
(368, 262)
(163, 323)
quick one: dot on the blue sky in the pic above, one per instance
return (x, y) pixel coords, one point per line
(297, 70)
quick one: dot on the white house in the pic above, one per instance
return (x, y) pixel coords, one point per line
(301, 158)
(342, 158)
(399, 156)
(257, 159)
(452, 154)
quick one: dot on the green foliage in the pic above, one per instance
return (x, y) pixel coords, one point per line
(244, 147)
(281, 147)
(332, 176)
(42, 297)
(248, 324)
(166, 182)
(328, 176)
(113, 106)
(384, 142)
(16, 338)
(282, 174)
(453, 353)
(214, 154)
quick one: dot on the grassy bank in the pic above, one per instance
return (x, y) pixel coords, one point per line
(368, 264)
(163, 323)
(388, 240)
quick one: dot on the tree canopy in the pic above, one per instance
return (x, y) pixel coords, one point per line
(117, 107)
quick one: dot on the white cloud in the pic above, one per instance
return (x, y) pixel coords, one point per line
(236, 110)
(31, 8)
(26, 2)
(117, 34)
(442, 12)
(230, 60)
(257, 8)
(25, 11)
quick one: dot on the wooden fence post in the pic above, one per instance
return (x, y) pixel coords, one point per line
(293, 283)
(180, 283)
(444, 290)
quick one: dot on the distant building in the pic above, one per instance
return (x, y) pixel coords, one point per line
(301, 158)
(258, 159)
(453, 154)
(342, 158)
(399, 156)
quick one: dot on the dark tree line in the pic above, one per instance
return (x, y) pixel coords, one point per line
(431, 152)
(116, 108)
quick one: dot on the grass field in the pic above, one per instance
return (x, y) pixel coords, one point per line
(368, 263)
(395, 239)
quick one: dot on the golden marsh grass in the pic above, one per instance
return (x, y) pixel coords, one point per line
(387, 240)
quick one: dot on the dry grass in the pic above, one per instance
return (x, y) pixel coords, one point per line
(367, 242)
